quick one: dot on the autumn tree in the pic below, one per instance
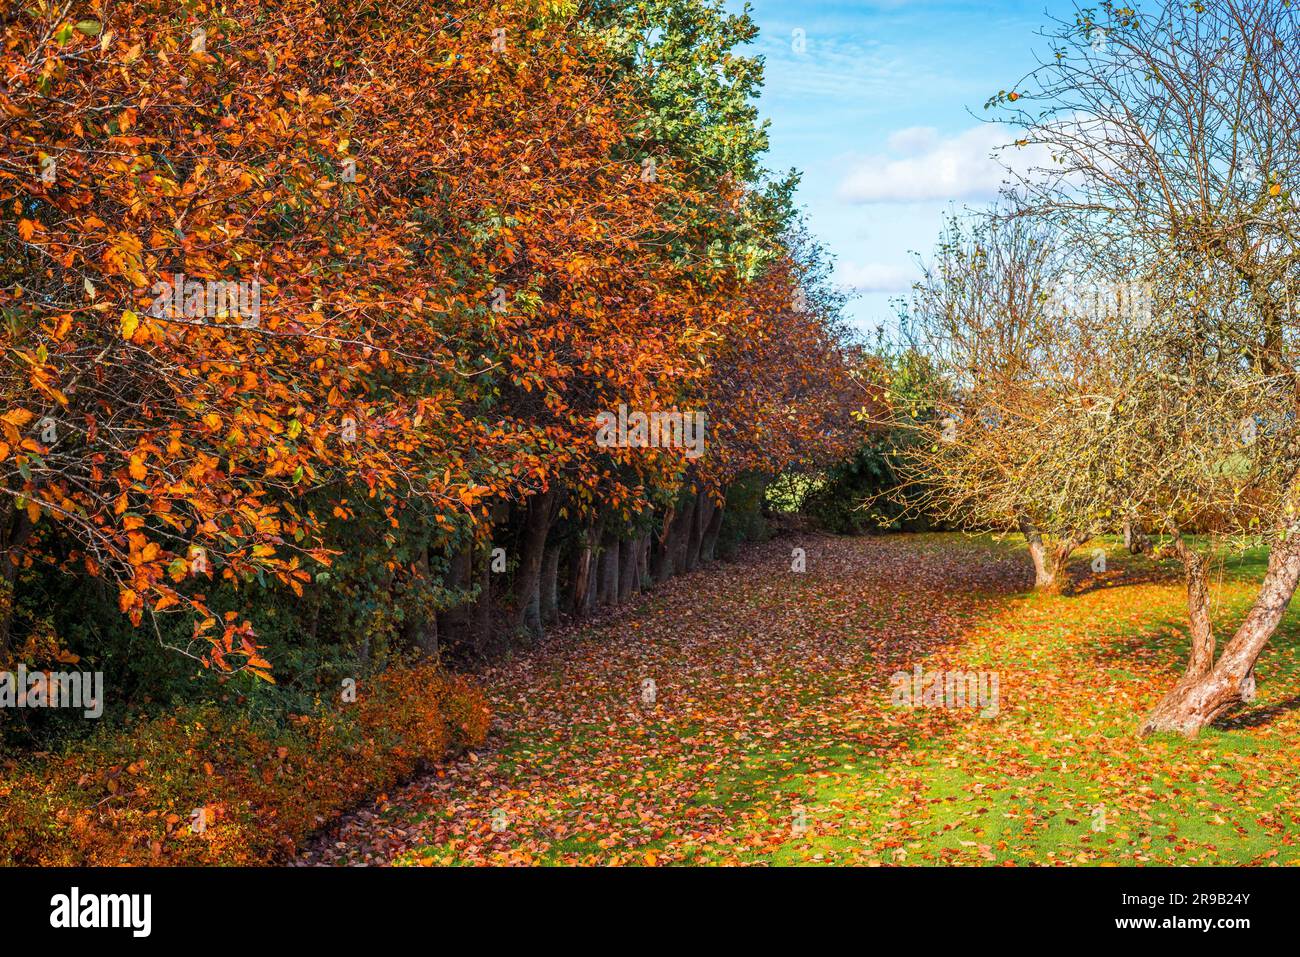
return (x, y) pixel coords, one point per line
(1173, 137)
(983, 316)
(347, 287)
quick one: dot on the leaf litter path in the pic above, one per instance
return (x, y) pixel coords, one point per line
(771, 738)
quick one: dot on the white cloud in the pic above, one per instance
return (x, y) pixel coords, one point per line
(831, 63)
(924, 167)
(913, 140)
(875, 277)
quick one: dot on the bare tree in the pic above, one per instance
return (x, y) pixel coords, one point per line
(1173, 137)
(980, 315)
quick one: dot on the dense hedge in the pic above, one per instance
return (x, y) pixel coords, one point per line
(205, 786)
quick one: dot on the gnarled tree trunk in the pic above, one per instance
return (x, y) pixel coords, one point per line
(1136, 540)
(1050, 559)
(1198, 700)
(1197, 572)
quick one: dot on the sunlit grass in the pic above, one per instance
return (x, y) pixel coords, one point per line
(1059, 776)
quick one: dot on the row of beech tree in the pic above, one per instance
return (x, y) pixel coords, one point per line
(312, 311)
(1114, 347)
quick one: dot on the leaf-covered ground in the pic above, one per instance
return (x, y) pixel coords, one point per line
(772, 737)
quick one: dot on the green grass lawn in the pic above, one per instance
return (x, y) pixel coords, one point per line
(773, 739)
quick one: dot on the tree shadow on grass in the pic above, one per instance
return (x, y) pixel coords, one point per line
(1123, 568)
(1260, 716)
(1082, 580)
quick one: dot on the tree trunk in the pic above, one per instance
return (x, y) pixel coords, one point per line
(608, 571)
(1136, 540)
(573, 592)
(670, 556)
(1045, 569)
(528, 578)
(709, 546)
(1197, 572)
(627, 570)
(422, 632)
(704, 509)
(682, 537)
(591, 596)
(549, 601)
(454, 622)
(642, 555)
(483, 609)
(1060, 558)
(16, 528)
(423, 635)
(582, 587)
(1197, 701)
(661, 552)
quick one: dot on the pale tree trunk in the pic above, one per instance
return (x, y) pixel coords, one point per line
(591, 595)
(1061, 555)
(1136, 540)
(1197, 572)
(1050, 559)
(1043, 577)
(1198, 700)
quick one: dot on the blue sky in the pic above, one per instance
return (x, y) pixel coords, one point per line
(881, 109)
